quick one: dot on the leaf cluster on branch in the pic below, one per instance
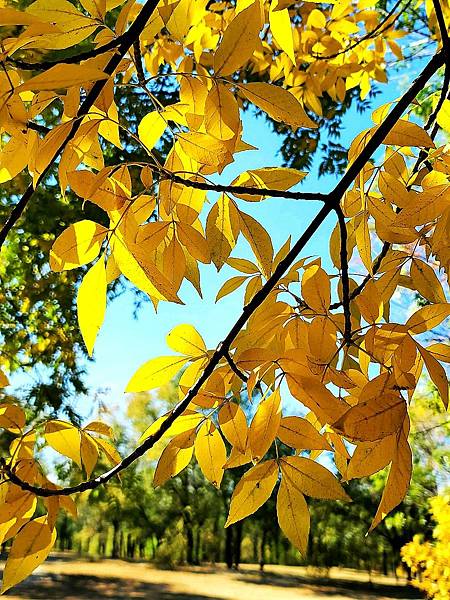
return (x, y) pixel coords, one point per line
(329, 337)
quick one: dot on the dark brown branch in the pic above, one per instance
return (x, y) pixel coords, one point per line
(242, 189)
(257, 300)
(234, 367)
(138, 62)
(47, 64)
(441, 24)
(344, 277)
(37, 127)
(127, 40)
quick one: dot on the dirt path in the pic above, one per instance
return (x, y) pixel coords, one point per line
(64, 577)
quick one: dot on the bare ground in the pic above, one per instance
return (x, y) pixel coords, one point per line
(63, 576)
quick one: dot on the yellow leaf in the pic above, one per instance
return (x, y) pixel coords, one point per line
(264, 426)
(239, 41)
(156, 372)
(221, 113)
(397, 483)
(233, 425)
(280, 26)
(186, 422)
(230, 286)
(91, 303)
(96, 8)
(151, 128)
(210, 452)
(4, 381)
(300, 434)
(29, 549)
(316, 19)
(12, 418)
(194, 242)
(278, 103)
(222, 230)
(237, 459)
(10, 16)
(373, 419)
(186, 340)
(72, 26)
(426, 281)
(89, 453)
(175, 457)
(65, 439)
(440, 352)
(278, 178)
(394, 190)
(252, 491)
(99, 427)
(77, 245)
(62, 76)
(312, 479)
(443, 117)
(108, 449)
(259, 240)
(406, 133)
(437, 374)
(293, 514)
(363, 243)
(205, 149)
(137, 266)
(428, 317)
(425, 207)
(316, 289)
(370, 457)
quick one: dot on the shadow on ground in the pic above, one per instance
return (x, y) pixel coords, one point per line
(322, 586)
(75, 587)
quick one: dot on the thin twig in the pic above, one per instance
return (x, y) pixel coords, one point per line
(234, 367)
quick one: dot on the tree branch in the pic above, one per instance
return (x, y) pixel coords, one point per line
(257, 300)
(138, 62)
(219, 353)
(344, 277)
(47, 64)
(441, 23)
(422, 155)
(127, 40)
(234, 367)
(242, 189)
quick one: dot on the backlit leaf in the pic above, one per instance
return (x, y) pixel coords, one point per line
(91, 303)
(252, 491)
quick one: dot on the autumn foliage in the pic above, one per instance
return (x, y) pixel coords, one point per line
(329, 336)
(429, 561)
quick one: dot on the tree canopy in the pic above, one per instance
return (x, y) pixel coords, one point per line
(128, 113)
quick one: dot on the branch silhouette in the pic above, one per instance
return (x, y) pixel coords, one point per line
(223, 350)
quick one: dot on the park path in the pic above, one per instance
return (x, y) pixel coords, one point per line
(66, 578)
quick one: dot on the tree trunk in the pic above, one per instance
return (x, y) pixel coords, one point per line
(115, 546)
(237, 544)
(229, 547)
(262, 558)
